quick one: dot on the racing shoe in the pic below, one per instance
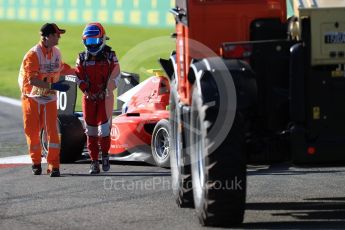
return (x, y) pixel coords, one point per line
(37, 169)
(94, 167)
(105, 162)
(55, 172)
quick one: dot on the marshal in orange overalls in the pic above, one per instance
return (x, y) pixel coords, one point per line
(39, 104)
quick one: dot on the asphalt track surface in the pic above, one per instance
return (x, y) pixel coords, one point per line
(12, 139)
(138, 196)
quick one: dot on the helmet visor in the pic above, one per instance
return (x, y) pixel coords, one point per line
(93, 41)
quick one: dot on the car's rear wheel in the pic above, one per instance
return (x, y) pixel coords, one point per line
(72, 139)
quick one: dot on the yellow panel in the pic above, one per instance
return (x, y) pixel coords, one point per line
(46, 14)
(104, 3)
(60, 3)
(103, 16)
(59, 15)
(11, 13)
(22, 13)
(325, 22)
(316, 113)
(170, 20)
(87, 15)
(88, 3)
(1, 12)
(135, 17)
(119, 3)
(34, 13)
(72, 15)
(338, 73)
(152, 18)
(153, 4)
(118, 16)
(136, 3)
(34, 2)
(172, 3)
(74, 3)
(46, 2)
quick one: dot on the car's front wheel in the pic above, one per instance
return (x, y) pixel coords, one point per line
(160, 144)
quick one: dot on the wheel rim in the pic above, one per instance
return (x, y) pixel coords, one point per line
(44, 143)
(199, 170)
(177, 141)
(162, 146)
(200, 155)
(176, 147)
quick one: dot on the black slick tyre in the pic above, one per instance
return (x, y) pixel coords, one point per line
(160, 144)
(72, 138)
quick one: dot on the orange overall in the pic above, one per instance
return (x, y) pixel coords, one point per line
(38, 104)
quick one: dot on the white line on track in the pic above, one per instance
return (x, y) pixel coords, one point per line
(22, 159)
(10, 101)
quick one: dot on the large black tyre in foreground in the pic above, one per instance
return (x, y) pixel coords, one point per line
(179, 157)
(72, 137)
(219, 175)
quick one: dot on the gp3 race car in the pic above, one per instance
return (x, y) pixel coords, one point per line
(140, 127)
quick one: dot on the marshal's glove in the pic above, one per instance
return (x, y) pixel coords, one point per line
(59, 86)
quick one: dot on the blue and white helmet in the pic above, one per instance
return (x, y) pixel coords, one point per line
(94, 38)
